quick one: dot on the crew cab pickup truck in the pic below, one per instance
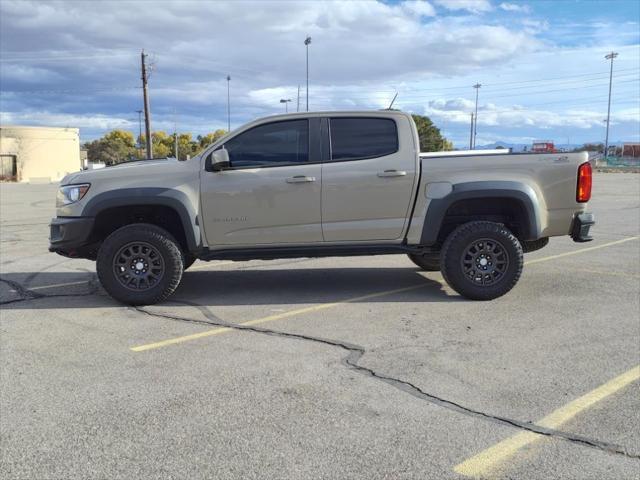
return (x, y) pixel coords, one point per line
(316, 185)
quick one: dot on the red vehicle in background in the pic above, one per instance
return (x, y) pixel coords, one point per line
(543, 146)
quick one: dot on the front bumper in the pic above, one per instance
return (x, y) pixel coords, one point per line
(581, 225)
(70, 235)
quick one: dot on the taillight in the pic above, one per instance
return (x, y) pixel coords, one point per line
(583, 191)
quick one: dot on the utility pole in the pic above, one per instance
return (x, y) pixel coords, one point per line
(228, 105)
(139, 132)
(307, 41)
(147, 110)
(475, 124)
(610, 56)
(298, 100)
(471, 134)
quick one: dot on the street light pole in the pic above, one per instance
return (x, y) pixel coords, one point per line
(471, 134)
(228, 105)
(610, 56)
(286, 104)
(475, 125)
(307, 41)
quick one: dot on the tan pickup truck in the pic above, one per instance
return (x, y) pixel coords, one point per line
(322, 184)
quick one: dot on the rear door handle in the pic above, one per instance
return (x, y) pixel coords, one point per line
(301, 179)
(392, 173)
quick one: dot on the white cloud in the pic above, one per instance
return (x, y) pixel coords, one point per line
(533, 26)
(361, 54)
(492, 115)
(419, 8)
(102, 122)
(473, 6)
(515, 7)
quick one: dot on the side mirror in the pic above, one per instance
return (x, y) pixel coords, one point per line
(219, 160)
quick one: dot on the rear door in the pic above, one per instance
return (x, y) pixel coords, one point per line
(271, 193)
(368, 182)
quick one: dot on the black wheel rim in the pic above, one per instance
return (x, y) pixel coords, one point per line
(485, 262)
(138, 266)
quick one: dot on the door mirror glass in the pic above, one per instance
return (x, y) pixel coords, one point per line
(220, 160)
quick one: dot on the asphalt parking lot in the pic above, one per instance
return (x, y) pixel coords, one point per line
(323, 368)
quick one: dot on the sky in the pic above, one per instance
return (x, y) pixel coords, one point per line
(540, 63)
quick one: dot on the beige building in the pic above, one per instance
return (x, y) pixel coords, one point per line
(38, 154)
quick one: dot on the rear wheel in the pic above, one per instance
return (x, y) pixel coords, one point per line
(481, 260)
(428, 262)
(139, 264)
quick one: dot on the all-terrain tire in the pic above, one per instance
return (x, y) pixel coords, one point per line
(481, 260)
(140, 264)
(428, 263)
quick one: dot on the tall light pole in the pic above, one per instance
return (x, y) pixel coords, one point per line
(471, 134)
(286, 104)
(610, 56)
(307, 41)
(475, 125)
(228, 105)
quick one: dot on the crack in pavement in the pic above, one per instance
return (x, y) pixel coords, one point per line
(356, 352)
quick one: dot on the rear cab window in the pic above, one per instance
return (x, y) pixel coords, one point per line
(360, 138)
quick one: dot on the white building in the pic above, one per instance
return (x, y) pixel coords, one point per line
(38, 154)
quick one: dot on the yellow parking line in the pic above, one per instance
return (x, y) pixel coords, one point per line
(604, 272)
(59, 285)
(209, 265)
(582, 250)
(270, 318)
(324, 306)
(484, 462)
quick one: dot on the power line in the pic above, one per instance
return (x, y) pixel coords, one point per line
(598, 76)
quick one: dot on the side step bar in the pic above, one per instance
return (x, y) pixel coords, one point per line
(271, 253)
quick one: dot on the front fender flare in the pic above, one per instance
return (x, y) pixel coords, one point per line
(167, 197)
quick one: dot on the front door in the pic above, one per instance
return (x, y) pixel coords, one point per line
(271, 193)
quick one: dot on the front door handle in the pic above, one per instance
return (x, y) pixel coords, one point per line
(301, 179)
(392, 173)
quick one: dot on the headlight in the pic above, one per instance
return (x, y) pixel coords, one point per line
(71, 194)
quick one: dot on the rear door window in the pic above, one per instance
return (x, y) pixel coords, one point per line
(361, 138)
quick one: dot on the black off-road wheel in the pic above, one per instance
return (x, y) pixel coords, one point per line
(481, 260)
(140, 264)
(428, 263)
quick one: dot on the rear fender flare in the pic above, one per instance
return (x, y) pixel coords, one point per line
(521, 192)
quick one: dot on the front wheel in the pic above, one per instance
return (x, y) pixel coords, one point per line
(481, 260)
(139, 264)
